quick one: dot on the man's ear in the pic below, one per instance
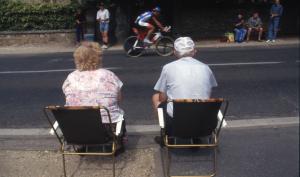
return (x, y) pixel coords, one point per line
(195, 52)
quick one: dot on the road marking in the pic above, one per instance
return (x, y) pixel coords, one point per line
(38, 71)
(115, 68)
(249, 63)
(144, 129)
(46, 71)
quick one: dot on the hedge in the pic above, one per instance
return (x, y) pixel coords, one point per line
(19, 16)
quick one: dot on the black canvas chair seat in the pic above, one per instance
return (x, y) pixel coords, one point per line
(192, 120)
(82, 126)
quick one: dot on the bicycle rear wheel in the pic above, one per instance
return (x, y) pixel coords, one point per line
(164, 46)
(133, 47)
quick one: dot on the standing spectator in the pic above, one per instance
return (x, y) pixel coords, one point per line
(80, 24)
(103, 19)
(255, 23)
(239, 28)
(275, 14)
(185, 78)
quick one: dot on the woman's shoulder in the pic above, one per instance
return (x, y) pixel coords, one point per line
(105, 72)
(73, 73)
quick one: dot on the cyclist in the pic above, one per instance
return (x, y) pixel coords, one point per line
(143, 21)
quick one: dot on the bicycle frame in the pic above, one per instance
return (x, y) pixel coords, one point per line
(141, 34)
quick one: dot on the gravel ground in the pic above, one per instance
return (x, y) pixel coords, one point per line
(49, 163)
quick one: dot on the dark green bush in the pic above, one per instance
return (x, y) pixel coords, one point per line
(18, 16)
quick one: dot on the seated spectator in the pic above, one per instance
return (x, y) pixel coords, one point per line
(92, 85)
(239, 28)
(185, 78)
(255, 23)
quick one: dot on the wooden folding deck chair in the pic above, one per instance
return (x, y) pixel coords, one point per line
(194, 119)
(83, 127)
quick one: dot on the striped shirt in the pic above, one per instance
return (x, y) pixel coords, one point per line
(144, 17)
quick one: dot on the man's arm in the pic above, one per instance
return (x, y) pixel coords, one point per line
(239, 23)
(278, 14)
(98, 17)
(106, 16)
(249, 24)
(157, 23)
(280, 11)
(158, 98)
(260, 23)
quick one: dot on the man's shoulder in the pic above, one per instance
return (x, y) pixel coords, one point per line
(171, 64)
(179, 62)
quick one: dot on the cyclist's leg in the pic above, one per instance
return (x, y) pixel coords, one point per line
(150, 28)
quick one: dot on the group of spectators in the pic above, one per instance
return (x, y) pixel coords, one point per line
(254, 23)
(91, 85)
(242, 28)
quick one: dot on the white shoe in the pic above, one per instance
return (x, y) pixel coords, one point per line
(273, 40)
(268, 41)
(147, 41)
(104, 47)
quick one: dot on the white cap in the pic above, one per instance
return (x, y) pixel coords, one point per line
(184, 44)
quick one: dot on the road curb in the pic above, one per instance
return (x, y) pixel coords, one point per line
(119, 47)
(150, 129)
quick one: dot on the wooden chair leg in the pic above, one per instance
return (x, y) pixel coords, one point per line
(114, 165)
(215, 162)
(168, 162)
(64, 165)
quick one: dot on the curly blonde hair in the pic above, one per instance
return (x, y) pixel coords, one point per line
(88, 56)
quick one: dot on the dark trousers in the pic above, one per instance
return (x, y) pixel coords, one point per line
(239, 34)
(79, 33)
(273, 28)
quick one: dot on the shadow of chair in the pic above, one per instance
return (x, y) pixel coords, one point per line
(192, 121)
(81, 126)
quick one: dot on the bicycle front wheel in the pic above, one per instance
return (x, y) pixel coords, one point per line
(164, 46)
(133, 47)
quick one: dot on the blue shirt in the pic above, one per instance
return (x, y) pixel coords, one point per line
(144, 17)
(276, 9)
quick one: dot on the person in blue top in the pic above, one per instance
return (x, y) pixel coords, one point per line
(239, 28)
(275, 14)
(143, 21)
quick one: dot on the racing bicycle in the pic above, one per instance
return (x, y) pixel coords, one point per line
(135, 46)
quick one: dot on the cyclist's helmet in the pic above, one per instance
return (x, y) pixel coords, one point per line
(157, 9)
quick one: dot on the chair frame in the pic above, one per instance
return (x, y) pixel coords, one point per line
(213, 144)
(64, 144)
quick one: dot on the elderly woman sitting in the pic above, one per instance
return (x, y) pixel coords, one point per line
(92, 85)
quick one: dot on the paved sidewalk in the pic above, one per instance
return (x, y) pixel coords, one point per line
(34, 49)
(246, 152)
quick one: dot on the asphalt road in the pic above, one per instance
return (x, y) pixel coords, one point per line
(259, 82)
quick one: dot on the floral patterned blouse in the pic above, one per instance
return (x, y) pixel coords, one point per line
(93, 88)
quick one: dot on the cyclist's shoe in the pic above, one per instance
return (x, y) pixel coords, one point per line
(104, 47)
(167, 29)
(147, 41)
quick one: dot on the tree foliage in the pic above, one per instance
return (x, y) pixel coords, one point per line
(18, 16)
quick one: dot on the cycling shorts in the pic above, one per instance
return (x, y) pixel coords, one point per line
(144, 24)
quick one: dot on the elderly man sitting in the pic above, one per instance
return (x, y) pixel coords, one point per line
(185, 78)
